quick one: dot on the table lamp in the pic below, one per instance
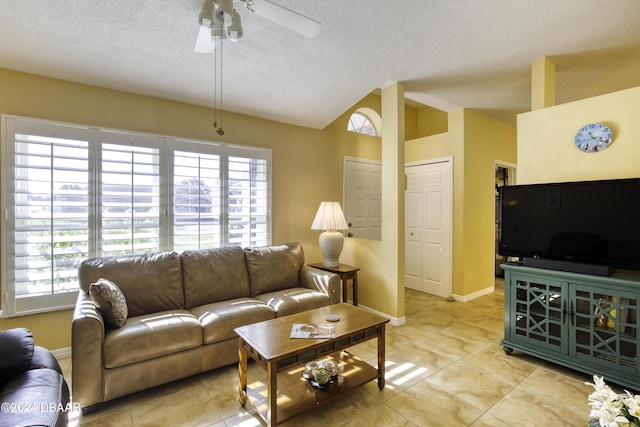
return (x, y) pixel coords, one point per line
(330, 219)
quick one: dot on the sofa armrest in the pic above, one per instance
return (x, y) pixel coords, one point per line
(323, 281)
(87, 338)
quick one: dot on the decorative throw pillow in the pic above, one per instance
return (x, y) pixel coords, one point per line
(110, 301)
(16, 351)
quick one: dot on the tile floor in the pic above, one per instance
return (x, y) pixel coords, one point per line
(445, 367)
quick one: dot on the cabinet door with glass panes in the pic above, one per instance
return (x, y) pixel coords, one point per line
(539, 313)
(605, 327)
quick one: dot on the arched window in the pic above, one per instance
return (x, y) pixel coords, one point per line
(365, 121)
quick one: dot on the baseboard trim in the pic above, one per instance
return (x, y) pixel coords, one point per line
(62, 353)
(474, 295)
(393, 321)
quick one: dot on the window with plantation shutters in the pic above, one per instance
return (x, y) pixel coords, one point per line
(247, 201)
(46, 205)
(129, 194)
(196, 200)
(71, 192)
(221, 195)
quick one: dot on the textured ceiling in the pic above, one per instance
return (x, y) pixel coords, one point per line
(474, 54)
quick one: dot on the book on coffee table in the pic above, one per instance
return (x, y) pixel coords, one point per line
(308, 330)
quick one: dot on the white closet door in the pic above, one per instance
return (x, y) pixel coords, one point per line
(428, 228)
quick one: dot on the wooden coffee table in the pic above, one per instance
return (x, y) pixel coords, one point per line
(286, 393)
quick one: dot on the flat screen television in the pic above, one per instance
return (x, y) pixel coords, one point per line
(591, 222)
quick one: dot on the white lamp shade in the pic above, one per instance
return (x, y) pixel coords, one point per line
(329, 217)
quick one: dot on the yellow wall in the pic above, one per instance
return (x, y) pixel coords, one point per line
(418, 122)
(355, 144)
(393, 185)
(50, 330)
(546, 152)
(364, 253)
(474, 142)
(307, 168)
(430, 121)
(378, 277)
(485, 141)
(423, 121)
(306, 164)
(543, 84)
(429, 147)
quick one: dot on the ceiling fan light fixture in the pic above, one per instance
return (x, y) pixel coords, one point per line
(218, 31)
(224, 8)
(204, 43)
(205, 19)
(235, 29)
(220, 17)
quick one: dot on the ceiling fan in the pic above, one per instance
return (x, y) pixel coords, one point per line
(219, 19)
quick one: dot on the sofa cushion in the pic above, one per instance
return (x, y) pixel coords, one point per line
(294, 300)
(272, 268)
(151, 335)
(110, 301)
(16, 351)
(150, 282)
(212, 275)
(219, 319)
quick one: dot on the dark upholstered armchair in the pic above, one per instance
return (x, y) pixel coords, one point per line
(33, 390)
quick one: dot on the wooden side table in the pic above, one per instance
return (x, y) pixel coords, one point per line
(346, 272)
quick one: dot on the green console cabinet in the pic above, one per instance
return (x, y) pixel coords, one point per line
(588, 323)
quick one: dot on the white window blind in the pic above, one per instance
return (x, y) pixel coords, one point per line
(130, 194)
(247, 201)
(221, 195)
(47, 213)
(196, 200)
(71, 192)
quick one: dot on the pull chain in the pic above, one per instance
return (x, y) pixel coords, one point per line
(217, 106)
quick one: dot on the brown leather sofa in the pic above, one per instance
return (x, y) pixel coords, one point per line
(182, 309)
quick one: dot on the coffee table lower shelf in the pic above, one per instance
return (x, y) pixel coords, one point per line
(297, 395)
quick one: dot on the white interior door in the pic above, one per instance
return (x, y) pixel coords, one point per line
(429, 227)
(363, 197)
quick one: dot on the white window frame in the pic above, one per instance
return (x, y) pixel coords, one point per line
(225, 152)
(370, 120)
(12, 306)
(136, 140)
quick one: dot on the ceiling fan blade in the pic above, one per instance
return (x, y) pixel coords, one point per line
(287, 18)
(204, 44)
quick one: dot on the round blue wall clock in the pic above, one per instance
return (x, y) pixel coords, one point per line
(593, 138)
